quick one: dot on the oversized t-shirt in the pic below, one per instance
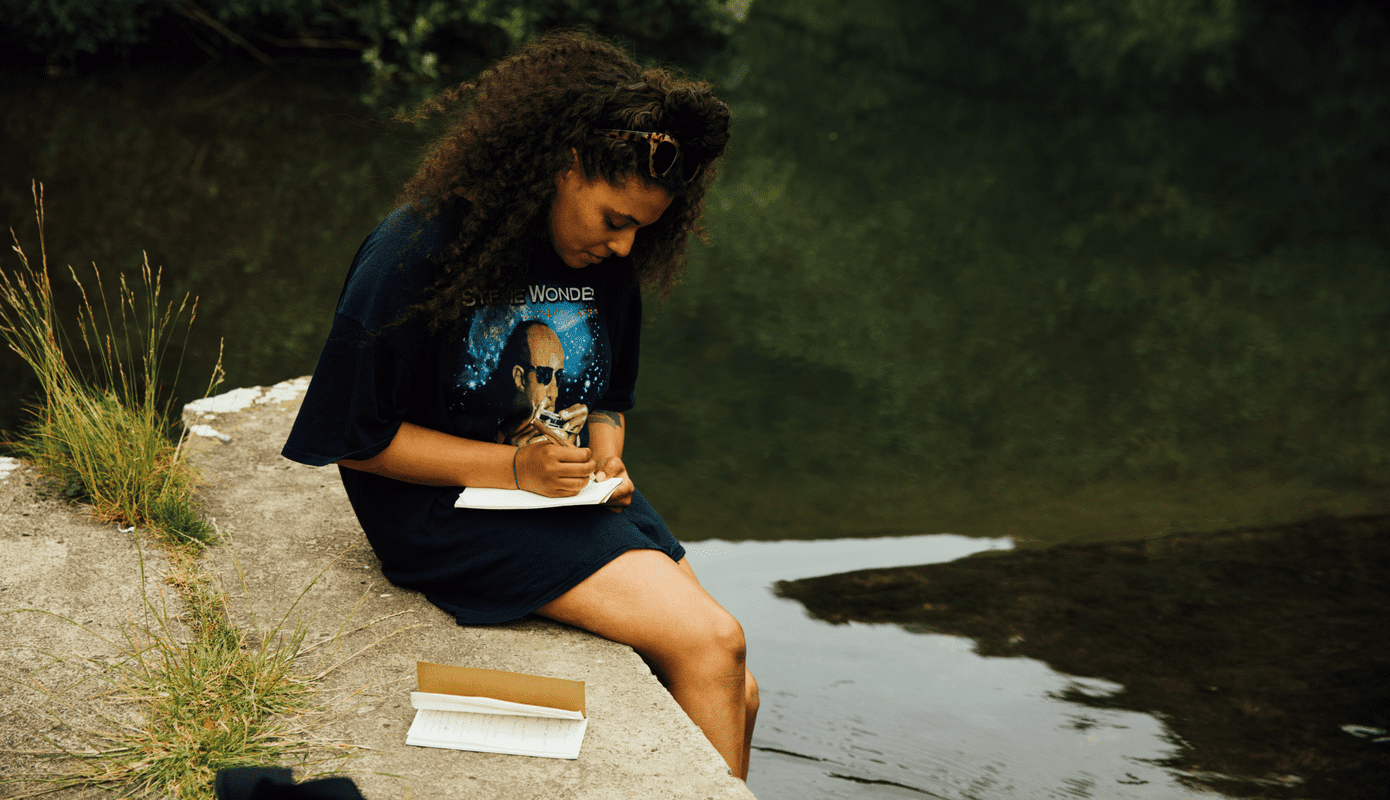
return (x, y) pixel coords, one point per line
(565, 345)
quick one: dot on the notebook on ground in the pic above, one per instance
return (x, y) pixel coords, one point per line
(492, 711)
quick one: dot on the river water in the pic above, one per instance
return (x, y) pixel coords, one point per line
(950, 289)
(889, 713)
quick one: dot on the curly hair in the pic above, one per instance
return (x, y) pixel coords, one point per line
(520, 124)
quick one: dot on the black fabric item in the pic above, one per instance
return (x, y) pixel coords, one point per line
(238, 783)
(277, 783)
(569, 340)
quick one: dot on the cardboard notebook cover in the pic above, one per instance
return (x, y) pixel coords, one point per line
(492, 711)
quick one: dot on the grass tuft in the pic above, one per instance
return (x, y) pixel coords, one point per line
(211, 695)
(105, 436)
(213, 702)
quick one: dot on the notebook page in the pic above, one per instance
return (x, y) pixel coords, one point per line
(497, 733)
(508, 499)
(486, 705)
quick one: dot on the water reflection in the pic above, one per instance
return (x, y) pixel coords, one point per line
(961, 279)
(873, 711)
(1258, 648)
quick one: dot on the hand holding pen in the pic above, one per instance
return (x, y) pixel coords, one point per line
(547, 462)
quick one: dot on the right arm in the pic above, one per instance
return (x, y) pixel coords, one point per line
(430, 457)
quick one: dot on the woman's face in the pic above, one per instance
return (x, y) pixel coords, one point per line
(592, 220)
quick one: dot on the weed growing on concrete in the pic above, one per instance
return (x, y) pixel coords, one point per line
(105, 436)
(211, 695)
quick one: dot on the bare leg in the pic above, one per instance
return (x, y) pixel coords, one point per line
(751, 700)
(644, 600)
(750, 718)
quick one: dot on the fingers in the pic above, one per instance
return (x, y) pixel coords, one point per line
(613, 467)
(574, 418)
(553, 470)
(622, 496)
(608, 468)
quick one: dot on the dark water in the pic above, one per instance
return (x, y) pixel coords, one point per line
(969, 274)
(1261, 650)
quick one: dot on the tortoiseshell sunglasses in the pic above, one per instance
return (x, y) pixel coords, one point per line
(662, 151)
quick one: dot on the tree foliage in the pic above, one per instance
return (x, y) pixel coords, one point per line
(409, 41)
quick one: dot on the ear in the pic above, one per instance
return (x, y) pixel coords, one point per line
(519, 377)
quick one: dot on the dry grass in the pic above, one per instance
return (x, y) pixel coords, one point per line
(210, 694)
(105, 436)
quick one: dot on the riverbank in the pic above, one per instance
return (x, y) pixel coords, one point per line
(290, 526)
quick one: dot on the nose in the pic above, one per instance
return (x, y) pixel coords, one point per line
(621, 244)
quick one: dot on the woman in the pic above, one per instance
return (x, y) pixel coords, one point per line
(487, 336)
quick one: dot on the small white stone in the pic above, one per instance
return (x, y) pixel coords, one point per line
(225, 403)
(209, 431)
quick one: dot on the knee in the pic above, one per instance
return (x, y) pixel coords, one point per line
(750, 692)
(719, 638)
(726, 635)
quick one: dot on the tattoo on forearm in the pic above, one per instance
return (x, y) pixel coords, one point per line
(606, 418)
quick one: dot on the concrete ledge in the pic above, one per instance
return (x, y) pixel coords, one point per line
(86, 576)
(287, 523)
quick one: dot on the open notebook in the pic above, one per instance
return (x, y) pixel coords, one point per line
(511, 499)
(491, 711)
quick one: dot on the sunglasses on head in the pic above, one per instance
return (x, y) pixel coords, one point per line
(544, 374)
(662, 152)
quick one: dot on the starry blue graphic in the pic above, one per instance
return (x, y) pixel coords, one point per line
(584, 376)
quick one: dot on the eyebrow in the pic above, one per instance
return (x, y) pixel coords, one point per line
(615, 212)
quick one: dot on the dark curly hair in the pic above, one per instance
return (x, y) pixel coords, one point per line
(515, 129)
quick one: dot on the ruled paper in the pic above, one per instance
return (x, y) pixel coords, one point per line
(497, 733)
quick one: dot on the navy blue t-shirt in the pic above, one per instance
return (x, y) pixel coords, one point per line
(567, 344)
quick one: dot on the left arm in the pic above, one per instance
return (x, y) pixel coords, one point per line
(606, 430)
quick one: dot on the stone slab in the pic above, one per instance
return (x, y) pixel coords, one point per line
(290, 526)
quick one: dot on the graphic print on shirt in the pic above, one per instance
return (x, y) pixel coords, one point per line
(535, 366)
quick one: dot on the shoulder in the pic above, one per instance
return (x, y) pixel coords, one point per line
(396, 264)
(409, 237)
